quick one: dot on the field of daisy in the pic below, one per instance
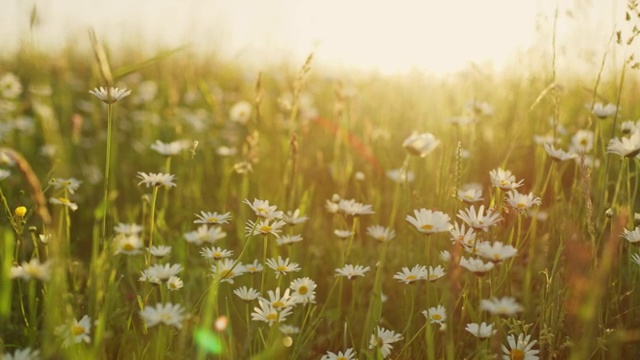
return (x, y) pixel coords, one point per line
(181, 207)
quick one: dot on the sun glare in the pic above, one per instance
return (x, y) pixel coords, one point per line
(433, 36)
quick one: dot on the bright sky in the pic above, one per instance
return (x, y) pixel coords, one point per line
(438, 36)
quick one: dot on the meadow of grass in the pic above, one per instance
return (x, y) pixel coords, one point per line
(158, 224)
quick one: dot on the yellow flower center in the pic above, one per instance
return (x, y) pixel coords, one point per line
(34, 271)
(128, 247)
(217, 255)
(302, 290)
(227, 274)
(341, 358)
(77, 329)
(65, 201)
(213, 219)
(281, 268)
(20, 211)
(272, 317)
(436, 317)
(516, 354)
(165, 317)
(265, 228)
(433, 277)
(521, 205)
(411, 277)
(173, 285)
(278, 304)
(426, 227)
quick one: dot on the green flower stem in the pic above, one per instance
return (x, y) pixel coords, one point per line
(154, 199)
(107, 172)
(265, 243)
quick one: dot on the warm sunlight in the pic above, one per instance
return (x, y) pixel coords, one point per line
(434, 36)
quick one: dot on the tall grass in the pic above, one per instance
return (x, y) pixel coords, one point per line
(306, 142)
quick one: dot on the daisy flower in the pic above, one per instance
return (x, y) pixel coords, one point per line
(520, 348)
(215, 253)
(170, 149)
(420, 144)
(626, 146)
(382, 340)
(558, 154)
(160, 251)
(470, 193)
(354, 208)
(127, 229)
(429, 222)
(436, 273)
(127, 244)
(70, 185)
(168, 314)
(633, 237)
(246, 294)
(157, 273)
(264, 227)
(445, 256)
(418, 272)
(226, 151)
(401, 176)
(476, 266)
(225, 270)
(263, 209)
(304, 290)
(174, 283)
(496, 252)
(332, 206)
(352, 271)
(156, 179)
(254, 267)
(601, 110)
(22, 354)
(65, 202)
(521, 202)
(278, 301)
(10, 86)
(460, 234)
(289, 329)
(294, 218)
(482, 331)
(110, 95)
(381, 233)
(582, 141)
(269, 314)
(343, 234)
(436, 315)
(240, 112)
(282, 267)
(288, 239)
(32, 270)
(349, 354)
(206, 217)
(504, 179)
(75, 332)
(479, 220)
(628, 127)
(504, 306)
(205, 234)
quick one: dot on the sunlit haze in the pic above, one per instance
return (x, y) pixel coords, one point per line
(433, 36)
